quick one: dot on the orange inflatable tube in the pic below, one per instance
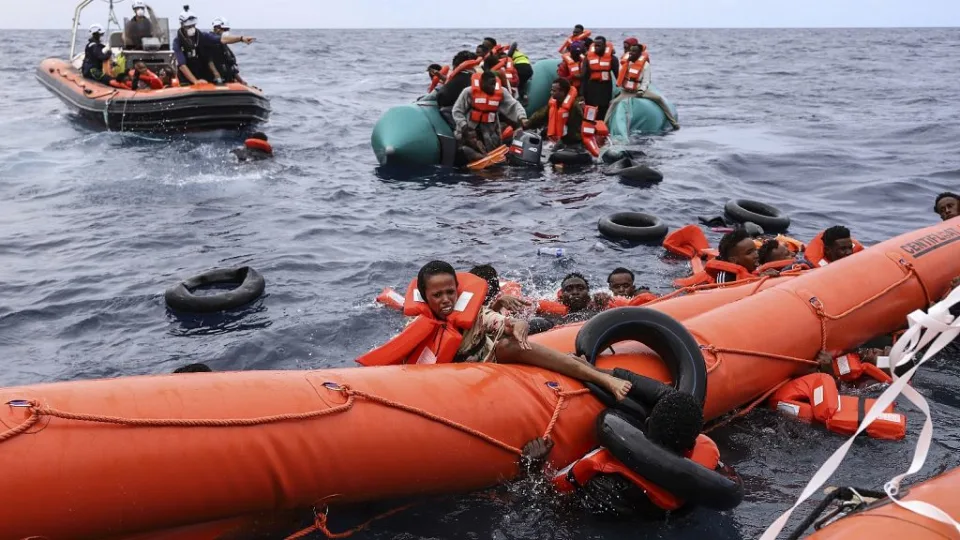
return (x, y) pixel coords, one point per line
(140, 454)
(884, 519)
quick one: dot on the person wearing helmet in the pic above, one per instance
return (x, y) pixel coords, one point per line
(94, 56)
(189, 48)
(137, 28)
(222, 57)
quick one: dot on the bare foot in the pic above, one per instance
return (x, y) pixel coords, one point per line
(618, 387)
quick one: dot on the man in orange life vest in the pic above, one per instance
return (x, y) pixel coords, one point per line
(570, 63)
(737, 248)
(771, 251)
(634, 81)
(599, 70)
(605, 485)
(837, 244)
(476, 115)
(562, 117)
(947, 205)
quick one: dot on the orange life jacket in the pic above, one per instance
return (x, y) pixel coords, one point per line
(121, 85)
(428, 340)
(849, 367)
(390, 298)
(552, 307)
(574, 37)
(815, 252)
(601, 461)
(258, 144)
(559, 114)
(889, 425)
(815, 397)
(466, 65)
(437, 79)
(777, 265)
(485, 106)
(593, 131)
(710, 271)
(505, 66)
(150, 78)
(631, 72)
(512, 288)
(637, 300)
(600, 65)
(573, 67)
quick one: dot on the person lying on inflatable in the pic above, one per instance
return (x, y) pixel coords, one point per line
(652, 457)
(452, 325)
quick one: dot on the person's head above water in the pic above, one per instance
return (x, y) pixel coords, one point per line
(737, 247)
(837, 243)
(675, 422)
(621, 282)
(559, 89)
(575, 292)
(437, 284)
(771, 251)
(258, 135)
(947, 204)
(463, 56)
(488, 81)
(488, 273)
(193, 368)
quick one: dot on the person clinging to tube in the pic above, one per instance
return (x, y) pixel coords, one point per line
(738, 248)
(947, 205)
(498, 338)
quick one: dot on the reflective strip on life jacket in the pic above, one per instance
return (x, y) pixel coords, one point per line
(600, 65)
(631, 73)
(850, 367)
(889, 425)
(558, 116)
(811, 397)
(485, 106)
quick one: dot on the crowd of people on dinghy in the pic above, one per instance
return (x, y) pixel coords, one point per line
(199, 56)
(482, 93)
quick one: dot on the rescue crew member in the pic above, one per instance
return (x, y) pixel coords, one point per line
(738, 248)
(947, 205)
(224, 61)
(497, 338)
(621, 283)
(598, 72)
(476, 115)
(634, 81)
(137, 28)
(674, 423)
(562, 117)
(94, 55)
(190, 47)
(255, 148)
(570, 63)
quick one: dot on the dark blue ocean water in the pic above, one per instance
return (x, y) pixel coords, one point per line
(858, 127)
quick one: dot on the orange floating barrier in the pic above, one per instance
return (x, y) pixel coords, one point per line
(145, 454)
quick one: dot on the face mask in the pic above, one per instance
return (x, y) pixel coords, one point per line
(191, 31)
(138, 12)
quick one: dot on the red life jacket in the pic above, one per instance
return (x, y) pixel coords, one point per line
(601, 461)
(258, 144)
(437, 79)
(150, 78)
(631, 72)
(638, 299)
(815, 397)
(849, 367)
(574, 37)
(466, 65)
(593, 131)
(710, 271)
(485, 106)
(428, 340)
(390, 298)
(505, 66)
(573, 67)
(600, 65)
(121, 85)
(559, 114)
(815, 252)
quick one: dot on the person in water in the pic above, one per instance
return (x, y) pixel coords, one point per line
(634, 81)
(496, 301)
(562, 119)
(737, 247)
(224, 61)
(139, 27)
(771, 251)
(571, 62)
(598, 72)
(947, 205)
(255, 148)
(94, 55)
(454, 86)
(837, 244)
(575, 294)
(621, 283)
(674, 423)
(498, 338)
(476, 115)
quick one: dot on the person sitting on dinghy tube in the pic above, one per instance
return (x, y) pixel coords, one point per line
(649, 463)
(476, 115)
(452, 325)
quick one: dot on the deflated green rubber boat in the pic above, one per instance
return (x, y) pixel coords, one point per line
(416, 134)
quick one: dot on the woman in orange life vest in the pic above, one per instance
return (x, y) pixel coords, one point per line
(477, 112)
(634, 81)
(497, 338)
(598, 71)
(671, 420)
(255, 148)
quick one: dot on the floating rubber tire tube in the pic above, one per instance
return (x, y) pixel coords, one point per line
(683, 478)
(665, 335)
(633, 226)
(571, 156)
(631, 172)
(769, 217)
(180, 297)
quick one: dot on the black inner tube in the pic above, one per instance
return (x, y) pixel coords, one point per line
(668, 338)
(180, 297)
(684, 478)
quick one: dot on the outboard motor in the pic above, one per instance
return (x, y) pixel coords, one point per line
(526, 149)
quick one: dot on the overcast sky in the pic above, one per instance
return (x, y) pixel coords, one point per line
(522, 14)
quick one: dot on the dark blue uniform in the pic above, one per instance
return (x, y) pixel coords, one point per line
(93, 59)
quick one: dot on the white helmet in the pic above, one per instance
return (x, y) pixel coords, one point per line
(96, 29)
(221, 22)
(139, 4)
(188, 19)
